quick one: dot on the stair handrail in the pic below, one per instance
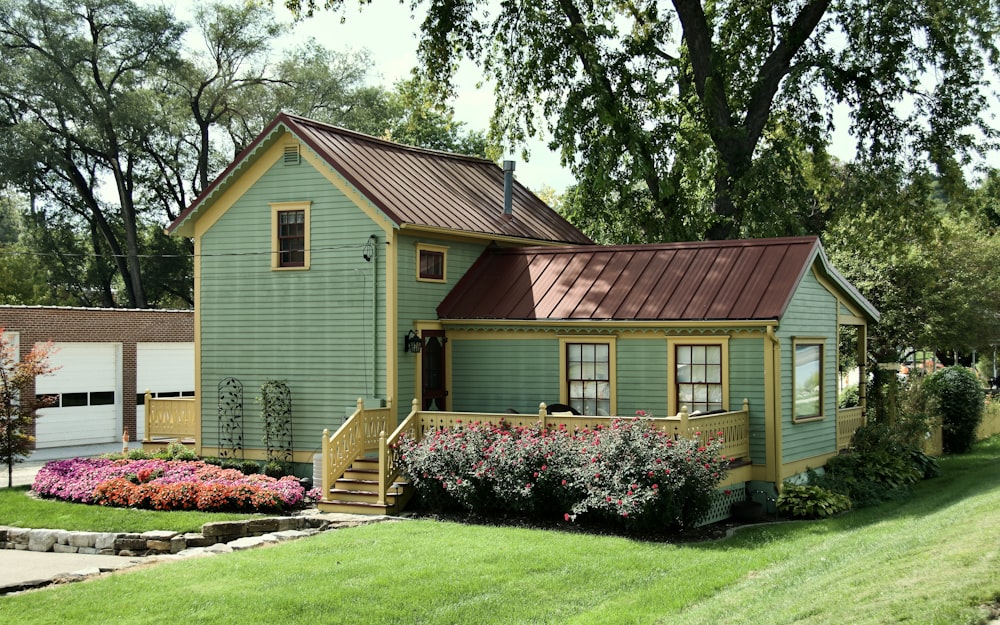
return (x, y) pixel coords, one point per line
(388, 458)
(357, 436)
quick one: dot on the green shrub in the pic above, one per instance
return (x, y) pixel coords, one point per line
(960, 399)
(850, 397)
(275, 468)
(810, 502)
(628, 473)
(884, 461)
(248, 467)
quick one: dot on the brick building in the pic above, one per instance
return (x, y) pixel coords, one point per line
(107, 359)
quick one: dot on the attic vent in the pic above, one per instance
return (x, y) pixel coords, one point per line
(291, 154)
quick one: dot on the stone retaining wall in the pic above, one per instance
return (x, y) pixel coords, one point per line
(236, 534)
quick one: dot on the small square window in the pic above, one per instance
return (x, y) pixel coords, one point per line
(431, 263)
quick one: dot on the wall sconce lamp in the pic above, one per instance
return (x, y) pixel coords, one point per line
(412, 342)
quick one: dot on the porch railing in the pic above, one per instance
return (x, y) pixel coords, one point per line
(848, 421)
(171, 419)
(360, 434)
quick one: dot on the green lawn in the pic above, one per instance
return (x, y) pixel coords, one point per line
(932, 559)
(19, 510)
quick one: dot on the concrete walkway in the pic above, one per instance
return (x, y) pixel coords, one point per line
(24, 570)
(24, 474)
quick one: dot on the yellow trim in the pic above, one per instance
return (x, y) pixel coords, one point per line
(725, 326)
(240, 186)
(392, 319)
(283, 207)
(801, 466)
(672, 343)
(260, 454)
(464, 235)
(338, 181)
(611, 342)
(427, 247)
(418, 371)
(199, 395)
(856, 312)
(772, 406)
(810, 340)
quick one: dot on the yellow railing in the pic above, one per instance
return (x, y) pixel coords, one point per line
(171, 418)
(991, 421)
(732, 427)
(735, 427)
(357, 436)
(848, 421)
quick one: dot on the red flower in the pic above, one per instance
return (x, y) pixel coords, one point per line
(566, 516)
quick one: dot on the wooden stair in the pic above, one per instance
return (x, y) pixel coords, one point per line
(356, 492)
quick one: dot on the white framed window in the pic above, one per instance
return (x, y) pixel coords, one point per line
(588, 375)
(698, 374)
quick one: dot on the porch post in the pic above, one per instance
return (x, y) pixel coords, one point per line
(862, 355)
(382, 468)
(326, 465)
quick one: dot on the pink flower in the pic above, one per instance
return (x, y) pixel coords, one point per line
(566, 516)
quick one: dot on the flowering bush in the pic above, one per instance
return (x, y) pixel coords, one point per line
(164, 485)
(627, 473)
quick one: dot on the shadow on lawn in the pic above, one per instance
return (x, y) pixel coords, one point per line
(961, 477)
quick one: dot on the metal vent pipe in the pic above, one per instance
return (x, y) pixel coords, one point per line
(508, 188)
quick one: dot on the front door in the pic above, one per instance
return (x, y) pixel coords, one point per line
(433, 389)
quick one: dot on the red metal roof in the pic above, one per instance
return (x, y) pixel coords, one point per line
(711, 280)
(417, 186)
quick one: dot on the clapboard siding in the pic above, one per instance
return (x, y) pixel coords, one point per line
(812, 313)
(497, 375)
(321, 330)
(746, 381)
(642, 376)
(418, 300)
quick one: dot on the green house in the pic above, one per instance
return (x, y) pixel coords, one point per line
(350, 267)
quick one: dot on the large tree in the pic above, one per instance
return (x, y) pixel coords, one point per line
(649, 102)
(82, 98)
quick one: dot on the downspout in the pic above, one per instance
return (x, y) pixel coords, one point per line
(373, 241)
(774, 470)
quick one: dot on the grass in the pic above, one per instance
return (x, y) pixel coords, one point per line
(19, 510)
(931, 559)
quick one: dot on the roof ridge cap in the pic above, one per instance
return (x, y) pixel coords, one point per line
(298, 119)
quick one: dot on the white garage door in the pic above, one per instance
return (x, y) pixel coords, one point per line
(88, 387)
(166, 370)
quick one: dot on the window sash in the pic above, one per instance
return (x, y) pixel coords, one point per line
(699, 377)
(431, 265)
(807, 396)
(291, 238)
(588, 376)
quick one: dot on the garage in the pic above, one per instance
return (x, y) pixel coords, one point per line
(165, 370)
(88, 389)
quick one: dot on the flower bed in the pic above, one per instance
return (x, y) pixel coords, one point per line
(628, 473)
(165, 485)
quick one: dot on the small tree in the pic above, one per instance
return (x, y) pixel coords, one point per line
(960, 399)
(17, 405)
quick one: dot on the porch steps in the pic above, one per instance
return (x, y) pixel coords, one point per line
(356, 492)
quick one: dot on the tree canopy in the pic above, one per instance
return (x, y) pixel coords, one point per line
(112, 122)
(685, 114)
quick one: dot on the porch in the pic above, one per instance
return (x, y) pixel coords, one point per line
(361, 472)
